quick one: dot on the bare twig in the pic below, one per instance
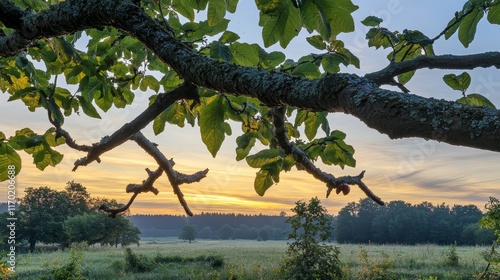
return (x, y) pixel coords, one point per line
(146, 186)
(386, 75)
(174, 177)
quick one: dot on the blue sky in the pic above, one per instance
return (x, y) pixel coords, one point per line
(413, 169)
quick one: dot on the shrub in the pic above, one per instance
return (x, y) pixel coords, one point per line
(137, 263)
(451, 257)
(375, 270)
(308, 257)
(73, 269)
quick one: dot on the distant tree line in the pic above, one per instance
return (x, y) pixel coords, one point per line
(49, 216)
(405, 223)
(214, 226)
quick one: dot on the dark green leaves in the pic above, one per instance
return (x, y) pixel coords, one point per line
(282, 21)
(312, 122)
(176, 114)
(467, 29)
(281, 25)
(271, 162)
(244, 143)
(216, 11)
(494, 13)
(211, 123)
(371, 21)
(331, 149)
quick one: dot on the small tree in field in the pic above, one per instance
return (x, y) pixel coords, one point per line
(308, 257)
(492, 221)
(188, 233)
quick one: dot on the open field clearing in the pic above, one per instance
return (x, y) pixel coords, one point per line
(259, 260)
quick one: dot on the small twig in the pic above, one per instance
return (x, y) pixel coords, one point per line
(146, 186)
(237, 111)
(303, 159)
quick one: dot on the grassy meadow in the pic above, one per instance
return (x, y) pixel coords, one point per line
(259, 260)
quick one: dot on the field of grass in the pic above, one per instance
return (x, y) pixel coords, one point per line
(259, 260)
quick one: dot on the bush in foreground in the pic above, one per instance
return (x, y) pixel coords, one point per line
(308, 256)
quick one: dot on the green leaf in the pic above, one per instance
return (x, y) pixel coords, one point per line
(65, 51)
(405, 77)
(281, 25)
(460, 82)
(270, 60)
(331, 62)
(55, 111)
(245, 54)
(337, 134)
(220, 51)
(288, 163)
(267, 6)
(105, 99)
(381, 37)
(317, 42)
(74, 75)
(454, 26)
(44, 156)
(232, 5)
(476, 99)
(229, 37)
(8, 157)
(263, 157)
(338, 153)
(88, 108)
(467, 29)
(211, 122)
(175, 114)
(216, 11)
(182, 8)
(149, 82)
(196, 4)
(372, 21)
(349, 57)
(494, 14)
(50, 138)
(313, 122)
(263, 181)
(307, 70)
(244, 143)
(338, 15)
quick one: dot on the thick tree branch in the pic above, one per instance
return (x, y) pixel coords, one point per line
(174, 177)
(11, 15)
(386, 75)
(396, 114)
(308, 165)
(162, 102)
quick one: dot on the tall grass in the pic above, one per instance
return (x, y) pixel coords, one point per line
(255, 260)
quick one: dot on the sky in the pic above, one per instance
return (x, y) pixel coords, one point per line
(413, 170)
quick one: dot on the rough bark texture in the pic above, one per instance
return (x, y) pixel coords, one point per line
(393, 113)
